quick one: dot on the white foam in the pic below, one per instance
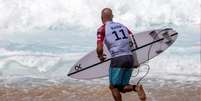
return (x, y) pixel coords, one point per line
(29, 15)
(26, 15)
(22, 62)
(176, 64)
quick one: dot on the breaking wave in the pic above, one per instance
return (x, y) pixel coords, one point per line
(26, 15)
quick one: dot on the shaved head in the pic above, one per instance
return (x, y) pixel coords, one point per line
(106, 15)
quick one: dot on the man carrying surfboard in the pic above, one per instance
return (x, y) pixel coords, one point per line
(116, 38)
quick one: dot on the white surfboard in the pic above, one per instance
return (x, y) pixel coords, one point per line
(145, 46)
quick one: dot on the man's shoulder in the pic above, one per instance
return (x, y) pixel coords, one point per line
(101, 28)
(120, 24)
(124, 27)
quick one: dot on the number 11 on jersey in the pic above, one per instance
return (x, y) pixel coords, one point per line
(116, 33)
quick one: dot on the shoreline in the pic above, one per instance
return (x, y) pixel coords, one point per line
(156, 90)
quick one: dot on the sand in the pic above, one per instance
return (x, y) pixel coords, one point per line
(156, 90)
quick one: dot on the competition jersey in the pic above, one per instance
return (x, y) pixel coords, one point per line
(116, 38)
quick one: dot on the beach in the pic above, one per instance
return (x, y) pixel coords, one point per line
(156, 90)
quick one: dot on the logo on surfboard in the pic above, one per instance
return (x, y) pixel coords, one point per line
(78, 67)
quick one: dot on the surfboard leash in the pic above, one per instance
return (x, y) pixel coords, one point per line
(148, 68)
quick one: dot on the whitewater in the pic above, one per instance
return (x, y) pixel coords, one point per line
(41, 39)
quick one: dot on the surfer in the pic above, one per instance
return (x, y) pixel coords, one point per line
(116, 38)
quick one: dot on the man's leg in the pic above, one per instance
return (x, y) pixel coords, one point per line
(140, 92)
(137, 88)
(125, 80)
(128, 88)
(115, 93)
(114, 74)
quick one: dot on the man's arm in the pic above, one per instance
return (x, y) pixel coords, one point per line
(100, 39)
(99, 51)
(136, 63)
(132, 38)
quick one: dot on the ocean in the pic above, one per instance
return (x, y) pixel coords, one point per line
(41, 40)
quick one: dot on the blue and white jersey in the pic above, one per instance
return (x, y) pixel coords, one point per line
(117, 38)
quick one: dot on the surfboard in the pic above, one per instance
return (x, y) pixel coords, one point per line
(145, 46)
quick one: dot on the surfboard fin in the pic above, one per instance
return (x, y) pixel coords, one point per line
(168, 38)
(159, 51)
(169, 42)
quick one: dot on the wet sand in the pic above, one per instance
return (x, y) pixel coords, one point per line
(169, 90)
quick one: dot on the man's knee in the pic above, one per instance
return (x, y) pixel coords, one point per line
(111, 87)
(120, 88)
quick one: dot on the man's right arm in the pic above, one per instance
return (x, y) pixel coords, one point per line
(99, 51)
(100, 39)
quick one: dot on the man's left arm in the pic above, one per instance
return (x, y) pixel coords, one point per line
(136, 63)
(132, 38)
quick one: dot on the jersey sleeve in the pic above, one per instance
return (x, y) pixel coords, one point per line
(101, 34)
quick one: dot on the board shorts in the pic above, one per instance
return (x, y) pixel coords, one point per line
(120, 71)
